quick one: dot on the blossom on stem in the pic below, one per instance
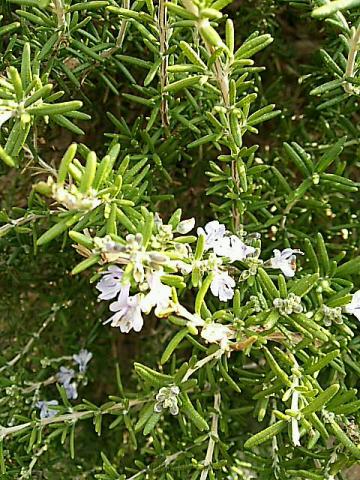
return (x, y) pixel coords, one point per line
(354, 306)
(167, 398)
(233, 248)
(5, 115)
(45, 411)
(127, 310)
(110, 284)
(289, 305)
(185, 226)
(285, 260)
(213, 231)
(72, 199)
(222, 286)
(82, 359)
(64, 376)
(217, 333)
(159, 295)
(71, 391)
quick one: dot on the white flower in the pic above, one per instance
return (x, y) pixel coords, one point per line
(354, 306)
(72, 199)
(186, 226)
(285, 260)
(233, 248)
(159, 295)
(45, 411)
(214, 231)
(5, 115)
(217, 333)
(110, 284)
(222, 286)
(183, 267)
(82, 359)
(127, 312)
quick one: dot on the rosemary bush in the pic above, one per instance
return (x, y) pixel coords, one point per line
(179, 239)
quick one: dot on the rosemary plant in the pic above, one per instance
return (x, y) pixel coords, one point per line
(179, 239)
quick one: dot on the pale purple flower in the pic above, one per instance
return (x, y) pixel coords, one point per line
(127, 310)
(233, 248)
(71, 390)
(45, 411)
(354, 306)
(285, 260)
(82, 359)
(65, 375)
(159, 295)
(213, 232)
(222, 286)
(110, 284)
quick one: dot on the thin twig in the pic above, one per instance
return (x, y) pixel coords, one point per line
(68, 417)
(27, 347)
(164, 80)
(217, 354)
(121, 35)
(213, 437)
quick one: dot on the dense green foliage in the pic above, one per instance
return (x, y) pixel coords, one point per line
(227, 148)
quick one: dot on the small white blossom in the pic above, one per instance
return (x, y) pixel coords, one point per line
(222, 286)
(233, 248)
(72, 199)
(110, 284)
(354, 306)
(82, 359)
(213, 231)
(186, 226)
(137, 255)
(285, 260)
(45, 411)
(5, 115)
(127, 312)
(183, 267)
(217, 333)
(167, 398)
(159, 295)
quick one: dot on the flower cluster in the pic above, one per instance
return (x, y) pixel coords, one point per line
(140, 277)
(67, 377)
(167, 398)
(70, 196)
(331, 315)
(289, 305)
(128, 308)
